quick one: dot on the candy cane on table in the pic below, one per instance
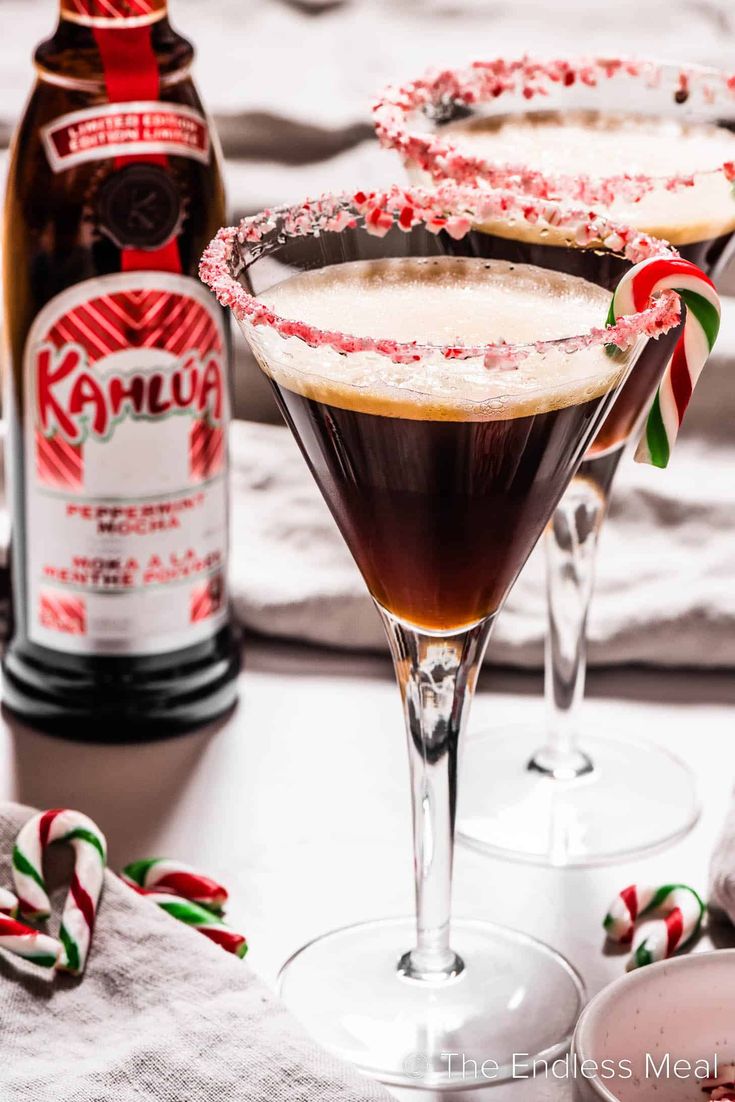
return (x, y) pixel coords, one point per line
(701, 327)
(198, 917)
(8, 903)
(176, 877)
(23, 941)
(679, 909)
(90, 858)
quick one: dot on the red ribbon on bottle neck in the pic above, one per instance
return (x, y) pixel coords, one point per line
(131, 73)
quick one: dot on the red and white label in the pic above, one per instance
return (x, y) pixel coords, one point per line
(126, 466)
(125, 130)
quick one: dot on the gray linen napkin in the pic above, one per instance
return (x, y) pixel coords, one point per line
(161, 1015)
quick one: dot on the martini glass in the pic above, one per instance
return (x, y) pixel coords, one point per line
(441, 464)
(652, 144)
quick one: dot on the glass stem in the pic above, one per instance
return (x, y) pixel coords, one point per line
(571, 547)
(437, 677)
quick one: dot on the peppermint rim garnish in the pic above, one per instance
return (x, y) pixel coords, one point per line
(438, 93)
(450, 209)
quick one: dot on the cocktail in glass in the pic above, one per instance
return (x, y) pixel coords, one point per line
(442, 403)
(653, 145)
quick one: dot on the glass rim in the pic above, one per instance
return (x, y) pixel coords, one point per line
(486, 81)
(455, 210)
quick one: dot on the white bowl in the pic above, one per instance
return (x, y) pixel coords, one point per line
(679, 1010)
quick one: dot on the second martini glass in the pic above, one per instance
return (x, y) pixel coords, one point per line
(651, 144)
(441, 461)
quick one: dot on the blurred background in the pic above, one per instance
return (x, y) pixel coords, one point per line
(290, 82)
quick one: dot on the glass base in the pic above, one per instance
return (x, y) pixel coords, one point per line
(514, 996)
(636, 798)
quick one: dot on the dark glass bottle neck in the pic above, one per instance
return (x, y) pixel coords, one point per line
(109, 14)
(71, 56)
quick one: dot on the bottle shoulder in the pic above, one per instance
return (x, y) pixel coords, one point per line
(71, 56)
(65, 196)
(49, 99)
(51, 107)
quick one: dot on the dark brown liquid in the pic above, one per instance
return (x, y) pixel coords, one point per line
(439, 515)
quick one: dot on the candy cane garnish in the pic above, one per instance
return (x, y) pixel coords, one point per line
(702, 324)
(23, 941)
(178, 878)
(90, 858)
(198, 917)
(679, 908)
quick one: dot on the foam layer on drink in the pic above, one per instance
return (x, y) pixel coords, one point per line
(597, 145)
(446, 301)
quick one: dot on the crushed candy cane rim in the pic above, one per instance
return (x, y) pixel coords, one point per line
(487, 81)
(449, 208)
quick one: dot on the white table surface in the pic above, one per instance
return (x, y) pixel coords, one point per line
(299, 801)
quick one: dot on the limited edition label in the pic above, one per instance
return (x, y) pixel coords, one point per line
(125, 130)
(126, 471)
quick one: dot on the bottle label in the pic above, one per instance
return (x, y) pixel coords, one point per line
(122, 130)
(125, 427)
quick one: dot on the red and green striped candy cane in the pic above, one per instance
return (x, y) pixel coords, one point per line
(24, 941)
(167, 875)
(198, 917)
(90, 858)
(8, 903)
(678, 908)
(697, 292)
(21, 940)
